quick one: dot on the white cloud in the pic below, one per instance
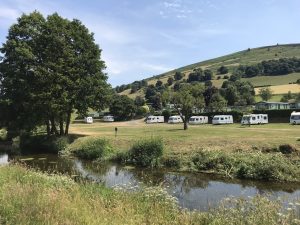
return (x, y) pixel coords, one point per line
(8, 13)
(155, 67)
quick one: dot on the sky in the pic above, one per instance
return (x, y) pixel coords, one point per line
(143, 38)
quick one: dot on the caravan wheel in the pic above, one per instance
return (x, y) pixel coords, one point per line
(294, 123)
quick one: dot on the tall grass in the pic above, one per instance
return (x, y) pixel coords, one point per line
(248, 165)
(146, 152)
(29, 197)
(90, 148)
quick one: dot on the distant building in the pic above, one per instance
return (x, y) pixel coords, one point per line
(294, 104)
(271, 105)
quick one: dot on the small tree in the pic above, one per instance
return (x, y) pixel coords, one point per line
(185, 99)
(265, 93)
(223, 70)
(170, 81)
(178, 75)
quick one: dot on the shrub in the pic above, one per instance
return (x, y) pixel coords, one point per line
(147, 152)
(287, 149)
(42, 143)
(90, 148)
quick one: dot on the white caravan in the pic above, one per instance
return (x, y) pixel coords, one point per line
(254, 119)
(155, 119)
(195, 120)
(222, 119)
(295, 118)
(88, 119)
(108, 118)
(175, 119)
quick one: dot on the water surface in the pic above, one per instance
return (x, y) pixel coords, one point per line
(193, 190)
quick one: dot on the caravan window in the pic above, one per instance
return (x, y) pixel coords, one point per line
(222, 118)
(253, 118)
(295, 117)
(265, 117)
(200, 118)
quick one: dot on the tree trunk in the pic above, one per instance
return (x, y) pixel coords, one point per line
(68, 123)
(185, 125)
(53, 127)
(48, 128)
(61, 126)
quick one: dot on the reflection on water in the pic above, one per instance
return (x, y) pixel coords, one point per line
(193, 190)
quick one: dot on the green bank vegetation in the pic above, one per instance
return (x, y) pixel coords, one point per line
(30, 197)
(276, 163)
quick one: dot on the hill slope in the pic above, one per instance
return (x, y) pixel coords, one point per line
(246, 57)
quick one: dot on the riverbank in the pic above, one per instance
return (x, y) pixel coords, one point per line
(30, 197)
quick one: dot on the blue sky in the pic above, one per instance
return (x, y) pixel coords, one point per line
(142, 38)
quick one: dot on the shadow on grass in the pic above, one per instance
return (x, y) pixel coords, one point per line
(173, 130)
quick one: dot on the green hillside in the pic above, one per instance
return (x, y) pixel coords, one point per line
(245, 57)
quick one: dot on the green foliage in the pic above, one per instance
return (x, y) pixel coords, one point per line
(42, 143)
(248, 165)
(178, 75)
(147, 152)
(265, 93)
(50, 67)
(170, 81)
(223, 70)
(122, 107)
(139, 101)
(166, 114)
(90, 148)
(287, 149)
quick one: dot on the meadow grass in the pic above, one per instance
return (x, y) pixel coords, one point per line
(30, 197)
(210, 137)
(230, 150)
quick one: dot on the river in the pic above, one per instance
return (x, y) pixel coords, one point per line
(193, 190)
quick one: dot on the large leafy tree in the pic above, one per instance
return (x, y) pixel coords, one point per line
(122, 107)
(50, 67)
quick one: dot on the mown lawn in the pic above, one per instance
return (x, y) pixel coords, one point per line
(210, 137)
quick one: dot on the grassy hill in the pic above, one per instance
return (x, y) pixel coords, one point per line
(245, 57)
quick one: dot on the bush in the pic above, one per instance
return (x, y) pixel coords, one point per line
(147, 152)
(42, 143)
(287, 149)
(90, 148)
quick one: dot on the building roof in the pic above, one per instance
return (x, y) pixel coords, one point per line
(264, 102)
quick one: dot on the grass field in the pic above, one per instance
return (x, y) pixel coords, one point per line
(283, 89)
(273, 80)
(275, 98)
(221, 137)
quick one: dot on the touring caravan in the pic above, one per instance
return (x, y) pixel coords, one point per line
(254, 119)
(222, 119)
(175, 119)
(195, 120)
(88, 119)
(155, 119)
(108, 118)
(295, 118)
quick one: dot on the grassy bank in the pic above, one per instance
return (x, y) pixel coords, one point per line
(231, 150)
(29, 197)
(274, 164)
